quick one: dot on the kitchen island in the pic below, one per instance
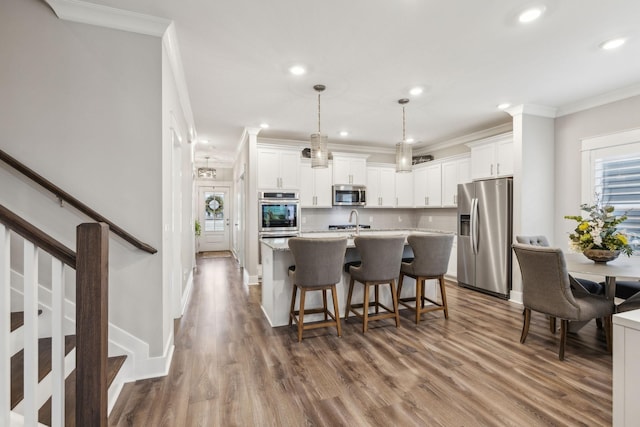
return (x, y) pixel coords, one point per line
(276, 285)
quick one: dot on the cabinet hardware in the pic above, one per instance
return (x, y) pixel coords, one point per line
(396, 201)
(454, 199)
(498, 169)
(427, 200)
(491, 169)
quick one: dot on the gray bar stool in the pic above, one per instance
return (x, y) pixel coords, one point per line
(381, 257)
(431, 259)
(318, 267)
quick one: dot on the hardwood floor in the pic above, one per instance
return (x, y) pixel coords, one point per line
(230, 368)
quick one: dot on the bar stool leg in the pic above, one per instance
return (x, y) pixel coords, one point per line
(348, 310)
(292, 313)
(394, 298)
(324, 304)
(377, 292)
(336, 310)
(365, 308)
(301, 314)
(400, 284)
(443, 293)
(419, 283)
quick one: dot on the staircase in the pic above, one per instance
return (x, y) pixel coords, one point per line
(44, 368)
(61, 379)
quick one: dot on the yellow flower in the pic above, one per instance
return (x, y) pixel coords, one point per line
(622, 238)
(583, 226)
(585, 237)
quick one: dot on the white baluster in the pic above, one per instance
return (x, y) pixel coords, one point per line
(57, 344)
(5, 327)
(30, 407)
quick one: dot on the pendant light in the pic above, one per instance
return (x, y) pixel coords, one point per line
(403, 149)
(319, 150)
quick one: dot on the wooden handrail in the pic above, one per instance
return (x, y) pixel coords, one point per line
(38, 237)
(66, 197)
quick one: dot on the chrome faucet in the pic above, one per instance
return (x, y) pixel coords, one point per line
(357, 220)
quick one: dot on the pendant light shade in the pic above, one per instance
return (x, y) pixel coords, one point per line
(319, 150)
(404, 153)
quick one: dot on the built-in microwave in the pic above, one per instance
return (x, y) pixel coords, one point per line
(279, 214)
(349, 195)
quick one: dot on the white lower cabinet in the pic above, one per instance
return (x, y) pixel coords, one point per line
(626, 369)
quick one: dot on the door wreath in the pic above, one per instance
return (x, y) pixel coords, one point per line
(214, 205)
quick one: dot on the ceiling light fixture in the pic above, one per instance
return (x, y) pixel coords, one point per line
(531, 14)
(344, 133)
(613, 43)
(403, 148)
(297, 70)
(319, 150)
(264, 125)
(504, 106)
(416, 91)
(207, 172)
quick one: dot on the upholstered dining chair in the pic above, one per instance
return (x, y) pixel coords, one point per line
(318, 267)
(381, 257)
(431, 259)
(578, 284)
(546, 289)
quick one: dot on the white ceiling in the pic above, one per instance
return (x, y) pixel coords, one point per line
(469, 55)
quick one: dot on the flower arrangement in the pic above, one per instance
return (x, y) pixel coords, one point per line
(598, 230)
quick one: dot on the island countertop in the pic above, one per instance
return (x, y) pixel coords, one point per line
(282, 243)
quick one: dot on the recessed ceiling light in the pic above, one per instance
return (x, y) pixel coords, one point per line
(416, 91)
(297, 70)
(264, 125)
(409, 140)
(531, 14)
(504, 106)
(613, 44)
(344, 133)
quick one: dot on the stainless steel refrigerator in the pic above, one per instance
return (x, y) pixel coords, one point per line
(485, 235)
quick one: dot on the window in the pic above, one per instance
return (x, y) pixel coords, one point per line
(611, 169)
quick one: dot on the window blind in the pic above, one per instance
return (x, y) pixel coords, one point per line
(617, 180)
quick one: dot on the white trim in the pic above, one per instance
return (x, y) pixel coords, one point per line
(482, 134)
(611, 140)
(109, 17)
(496, 138)
(187, 293)
(598, 100)
(170, 43)
(515, 297)
(532, 110)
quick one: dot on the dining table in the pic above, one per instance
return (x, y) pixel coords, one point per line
(623, 266)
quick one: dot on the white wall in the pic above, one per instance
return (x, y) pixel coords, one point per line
(82, 106)
(569, 131)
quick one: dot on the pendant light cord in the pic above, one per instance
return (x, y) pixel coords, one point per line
(318, 113)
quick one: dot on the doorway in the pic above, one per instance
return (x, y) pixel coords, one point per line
(213, 213)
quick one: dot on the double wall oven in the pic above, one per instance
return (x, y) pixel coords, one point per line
(279, 214)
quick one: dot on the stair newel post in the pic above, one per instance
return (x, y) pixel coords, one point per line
(92, 324)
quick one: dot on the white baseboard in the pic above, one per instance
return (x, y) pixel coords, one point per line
(515, 296)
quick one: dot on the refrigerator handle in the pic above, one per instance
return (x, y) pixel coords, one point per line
(474, 225)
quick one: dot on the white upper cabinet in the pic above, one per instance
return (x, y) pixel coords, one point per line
(350, 169)
(404, 189)
(315, 186)
(278, 169)
(427, 183)
(381, 190)
(492, 157)
(454, 172)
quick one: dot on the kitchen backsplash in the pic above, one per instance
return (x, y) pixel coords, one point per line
(315, 219)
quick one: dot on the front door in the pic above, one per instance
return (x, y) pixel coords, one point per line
(214, 219)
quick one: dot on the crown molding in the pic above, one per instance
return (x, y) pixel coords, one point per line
(533, 110)
(109, 17)
(597, 101)
(482, 134)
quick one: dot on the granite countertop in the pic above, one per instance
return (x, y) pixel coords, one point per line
(282, 243)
